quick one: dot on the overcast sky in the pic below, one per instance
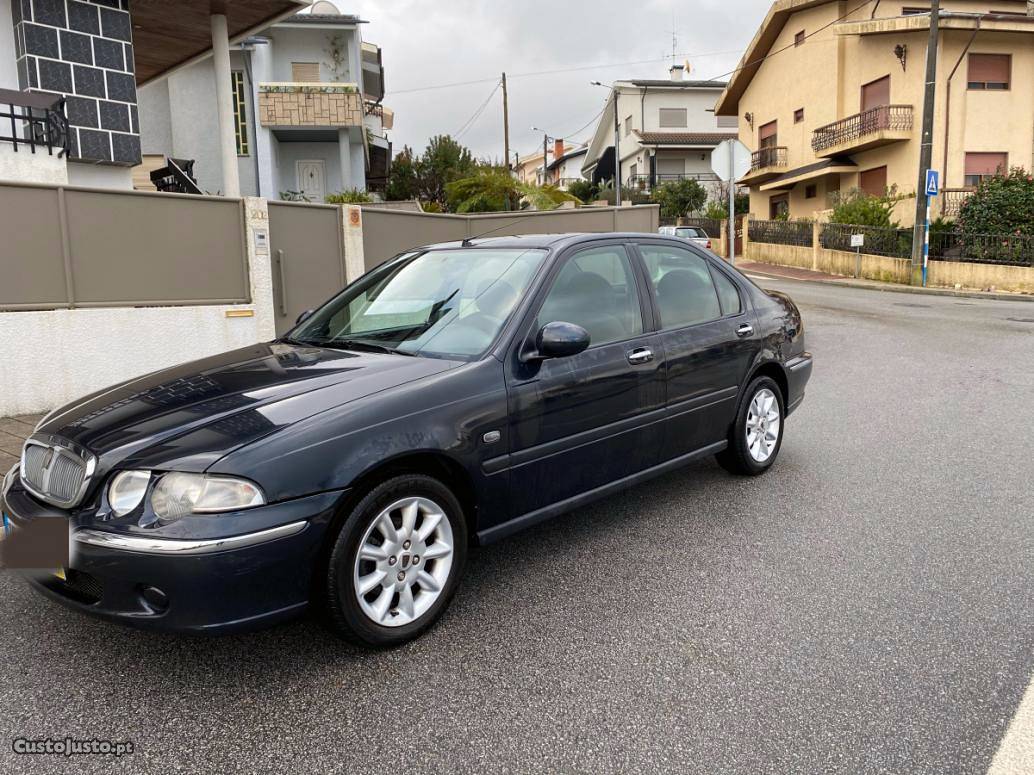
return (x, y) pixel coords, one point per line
(429, 43)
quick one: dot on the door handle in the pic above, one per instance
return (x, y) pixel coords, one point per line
(640, 355)
(745, 330)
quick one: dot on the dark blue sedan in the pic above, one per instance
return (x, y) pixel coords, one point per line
(455, 394)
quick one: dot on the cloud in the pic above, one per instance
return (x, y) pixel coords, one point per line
(433, 43)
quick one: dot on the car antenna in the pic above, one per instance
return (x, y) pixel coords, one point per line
(467, 240)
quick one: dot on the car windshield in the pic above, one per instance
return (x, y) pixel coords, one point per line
(440, 303)
(688, 231)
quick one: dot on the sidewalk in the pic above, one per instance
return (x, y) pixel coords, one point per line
(776, 272)
(13, 432)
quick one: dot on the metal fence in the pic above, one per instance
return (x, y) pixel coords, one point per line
(894, 243)
(78, 247)
(781, 232)
(1007, 249)
(712, 226)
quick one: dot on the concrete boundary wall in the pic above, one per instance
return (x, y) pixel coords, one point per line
(944, 274)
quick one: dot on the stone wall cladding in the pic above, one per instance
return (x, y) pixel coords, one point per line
(82, 49)
(298, 108)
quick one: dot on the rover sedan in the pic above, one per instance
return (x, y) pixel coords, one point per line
(451, 396)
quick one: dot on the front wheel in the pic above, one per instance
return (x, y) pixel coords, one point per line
(757, 431)
(396, 562)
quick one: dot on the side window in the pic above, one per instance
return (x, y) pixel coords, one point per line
(596, 290)
(682, 284)
(728, 294)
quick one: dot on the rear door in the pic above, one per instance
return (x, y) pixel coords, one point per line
(582, 422)
(709, 337)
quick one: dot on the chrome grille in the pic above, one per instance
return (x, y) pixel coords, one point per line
(54, 471)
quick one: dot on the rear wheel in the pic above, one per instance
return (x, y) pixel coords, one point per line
(757, 431)
(396, 562)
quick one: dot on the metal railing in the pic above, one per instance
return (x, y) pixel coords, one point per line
(797, 233)
(645, 180)
(884, 117)
(893, 243)
(33, 121)
(952, 199)
(177, 177)
(1008, 249)
(711, 226)
(772, 156)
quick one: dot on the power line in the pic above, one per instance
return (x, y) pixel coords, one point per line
(477, 113)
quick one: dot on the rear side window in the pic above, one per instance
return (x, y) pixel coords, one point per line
(681, 283)
(728, 293)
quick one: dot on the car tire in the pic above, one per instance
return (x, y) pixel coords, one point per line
(752, 450)
(372, 610)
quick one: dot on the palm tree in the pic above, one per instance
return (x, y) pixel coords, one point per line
(489, 189)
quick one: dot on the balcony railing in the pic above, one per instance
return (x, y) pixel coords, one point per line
(33, 121)
(861, 125)
(772, 156)
(952, 199)
(645, 181)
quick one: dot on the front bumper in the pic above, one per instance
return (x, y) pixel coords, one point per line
(214, 584)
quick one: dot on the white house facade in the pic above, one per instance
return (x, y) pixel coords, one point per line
(307, 113)
(667, 130)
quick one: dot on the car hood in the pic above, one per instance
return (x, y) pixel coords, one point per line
(189, 416)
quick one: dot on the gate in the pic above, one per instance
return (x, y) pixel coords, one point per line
(307, 256)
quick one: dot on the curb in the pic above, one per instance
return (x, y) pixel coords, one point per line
(889, 288)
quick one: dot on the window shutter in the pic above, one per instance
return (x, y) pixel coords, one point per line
(672, 117)
(874, 181)
(876, 94)
(988, 68)
(986, 163)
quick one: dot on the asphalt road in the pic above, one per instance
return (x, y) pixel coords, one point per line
(864, 607)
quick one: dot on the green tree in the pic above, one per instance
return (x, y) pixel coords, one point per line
(1002, 204)
(586, 191)
(490, 188)
(443, 161)
(857, 208)
(678, 197)
(402, 180)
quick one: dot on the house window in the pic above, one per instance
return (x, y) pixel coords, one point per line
(305, 72)
(989, 71)
(728, 122)
(240, 113)
(985, 165)
(874, 182)
(672, 117)
(913, 10)
(779, 206)
(798, 39)
(798, 115)
(876, 94)
(810, 192)
(628, 125)
(767, 135)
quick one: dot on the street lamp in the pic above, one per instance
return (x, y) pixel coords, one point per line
(617, 144)
(546, 140)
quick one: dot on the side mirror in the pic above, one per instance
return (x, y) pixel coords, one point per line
(560, 340)
(304, 316)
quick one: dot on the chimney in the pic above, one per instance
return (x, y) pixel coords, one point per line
(558, 148)
(676, 72)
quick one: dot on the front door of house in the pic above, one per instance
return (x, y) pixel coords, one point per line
(312, 176)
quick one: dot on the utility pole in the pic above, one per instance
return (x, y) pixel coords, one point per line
(545, 153)
(920, 232)
(617, 151)
(506, 134)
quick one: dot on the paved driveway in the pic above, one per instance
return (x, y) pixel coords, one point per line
(864, 607)
(13, 431)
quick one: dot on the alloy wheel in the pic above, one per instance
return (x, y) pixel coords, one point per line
(763, 425)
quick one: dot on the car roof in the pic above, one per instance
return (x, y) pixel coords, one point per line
(555, 241)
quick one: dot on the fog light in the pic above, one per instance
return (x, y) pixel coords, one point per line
(154, 599)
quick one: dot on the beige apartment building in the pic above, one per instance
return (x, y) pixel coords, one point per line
(829, 98)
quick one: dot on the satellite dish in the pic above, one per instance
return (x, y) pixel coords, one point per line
(325, 8)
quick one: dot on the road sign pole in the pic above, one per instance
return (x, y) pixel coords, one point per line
(732, 209)
(926, 239)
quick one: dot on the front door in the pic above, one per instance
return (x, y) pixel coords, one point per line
(312, 176)
(709, 339)
(582, 422)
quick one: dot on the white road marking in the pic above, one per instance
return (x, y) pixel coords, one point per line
(1015, 754)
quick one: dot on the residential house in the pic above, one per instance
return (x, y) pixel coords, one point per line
(829, 97)
(70, 72)
(307, 111)
(528, 169)
(667, 130)
(566, 167)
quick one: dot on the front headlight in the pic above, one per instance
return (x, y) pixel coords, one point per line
(177, 495)
(127, 490)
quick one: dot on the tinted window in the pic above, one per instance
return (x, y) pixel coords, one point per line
(682, 284)
(596, 290)
(728, 294)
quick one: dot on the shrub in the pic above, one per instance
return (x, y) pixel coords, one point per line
(294, 196)
(718, 208)
(585, 190)
(352, 196)
(1003, 204)
(861, 209)
(678, 197)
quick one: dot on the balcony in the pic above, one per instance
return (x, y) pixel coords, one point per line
(33, 122)
(310, 105)
(952, 200)
(868, 129)
(645, 182)
(765, 164)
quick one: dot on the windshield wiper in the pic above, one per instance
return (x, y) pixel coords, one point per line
(359, 344)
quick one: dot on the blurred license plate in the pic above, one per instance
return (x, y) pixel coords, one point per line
(60, 573)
